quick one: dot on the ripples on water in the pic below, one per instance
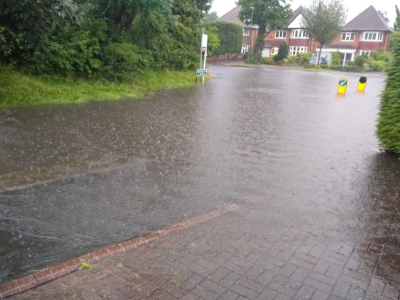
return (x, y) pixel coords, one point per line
(281, 138)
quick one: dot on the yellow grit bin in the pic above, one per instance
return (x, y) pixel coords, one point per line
(342, 87)
(362, 83)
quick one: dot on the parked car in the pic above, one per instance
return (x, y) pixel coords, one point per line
(314, 61)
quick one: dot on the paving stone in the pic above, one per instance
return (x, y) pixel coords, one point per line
(305, 292)
(322, 266)
(288, 269)
(282, 288)
(244, 291)
(318, 295)
(229, 295)
(204, 293)
(356, 293)
(219, 274)
(192, 282)
(318, 285)
(162, 295)
(214, 287)
(267, 294)
(334, 271)
(266, 277)
(316, 252)
(229, 279)
(254, 272)
(282, 297)
(322, 278)
(251, 284)
(300, 274)
(341, 289)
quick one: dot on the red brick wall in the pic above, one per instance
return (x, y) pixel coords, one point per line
(300, 42)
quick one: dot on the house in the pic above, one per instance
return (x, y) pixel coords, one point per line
(292, 34)
(365, 33)
(249, 32)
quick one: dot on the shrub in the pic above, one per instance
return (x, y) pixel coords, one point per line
(124, 61)
(378, 66)
(388, 129)
(267, 60)
(251, 59)
(230, 36)
(308, 66)
(380, 55)
(291, 61)
(336, 58)
(282, 52)
(304, 58)
(317, 67)
(361, 60)
(285, 62)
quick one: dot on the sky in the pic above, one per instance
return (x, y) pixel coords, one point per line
(354, 7)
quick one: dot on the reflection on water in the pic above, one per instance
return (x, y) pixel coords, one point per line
(125, 168)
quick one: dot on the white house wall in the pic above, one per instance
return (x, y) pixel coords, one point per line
(296, 23)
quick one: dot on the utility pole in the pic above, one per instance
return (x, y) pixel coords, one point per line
(251, 29)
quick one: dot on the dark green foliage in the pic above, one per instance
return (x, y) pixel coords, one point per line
(335, 58)
(282, 52)
(268, 60)
(361, 60)
(397, 22)
(211, 17)
(271, 14)
(25, 24)
(388, 128)
(230, 36)
(124, 61)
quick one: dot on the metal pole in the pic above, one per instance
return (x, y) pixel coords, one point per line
(205, 61)
(201, 44)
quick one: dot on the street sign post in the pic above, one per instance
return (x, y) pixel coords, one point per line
(203, 49)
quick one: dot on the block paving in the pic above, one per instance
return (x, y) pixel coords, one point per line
(237, 255)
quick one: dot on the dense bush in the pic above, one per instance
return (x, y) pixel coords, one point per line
(335, 58)
(304, 58)
(361, 60)
(122, 61)
(230, 37)
(388, 129)
(268, 60)
(282, 52)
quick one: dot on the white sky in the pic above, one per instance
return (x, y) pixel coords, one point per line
(354, 7)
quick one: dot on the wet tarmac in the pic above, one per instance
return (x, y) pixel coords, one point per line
(75, 178)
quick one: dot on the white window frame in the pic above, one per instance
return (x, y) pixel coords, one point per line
(367, 52)
(372, 36)
(299, 34)
(246, 31)
(294, 50)
(280, 34)
(348, 36)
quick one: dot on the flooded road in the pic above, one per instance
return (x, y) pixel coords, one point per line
(74, 178)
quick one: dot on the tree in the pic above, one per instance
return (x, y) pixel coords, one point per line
(213, 40)
(384, 16)
(211, 16)
(397, 22)
(282, 52)
(267, 14)
(388, 129)
(24, 24)
(324, 20)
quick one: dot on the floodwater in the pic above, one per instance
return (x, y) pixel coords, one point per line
(75, 178)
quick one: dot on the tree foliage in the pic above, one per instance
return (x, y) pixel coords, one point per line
(114, 39)
(213, 16)
(267, 14)
(324, 20)
(282, 52)
(397, 22)
(230, 36)
(213, 39)
(388, 128)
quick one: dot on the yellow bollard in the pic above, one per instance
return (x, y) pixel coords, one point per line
(362, 84)
(342, 87)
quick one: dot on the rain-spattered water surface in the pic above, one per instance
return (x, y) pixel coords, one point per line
(75, 178)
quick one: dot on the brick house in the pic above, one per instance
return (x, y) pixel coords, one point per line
(365, 33)
(249, 32)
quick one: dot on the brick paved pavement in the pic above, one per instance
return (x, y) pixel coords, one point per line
(240, 255)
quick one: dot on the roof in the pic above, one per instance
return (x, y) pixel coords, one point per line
(299, 10)
(369, 19)
(232, 16)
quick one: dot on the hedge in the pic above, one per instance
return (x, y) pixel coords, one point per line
(230, 36)
(388, 128)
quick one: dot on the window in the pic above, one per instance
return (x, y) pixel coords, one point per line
(246, 31)
(367, 52)
(296, 50)
(372, 36)
(280, 34)
(348, 36)
(299, 34)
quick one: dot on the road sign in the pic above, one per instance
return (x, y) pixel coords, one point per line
(201, 72)
(204, 43)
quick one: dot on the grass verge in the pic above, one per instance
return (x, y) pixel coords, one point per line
(18, 89)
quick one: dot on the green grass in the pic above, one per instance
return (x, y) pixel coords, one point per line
(18, 89)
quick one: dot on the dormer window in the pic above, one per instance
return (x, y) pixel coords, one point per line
(348, 36)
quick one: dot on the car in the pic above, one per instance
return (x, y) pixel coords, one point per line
(314, 61)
